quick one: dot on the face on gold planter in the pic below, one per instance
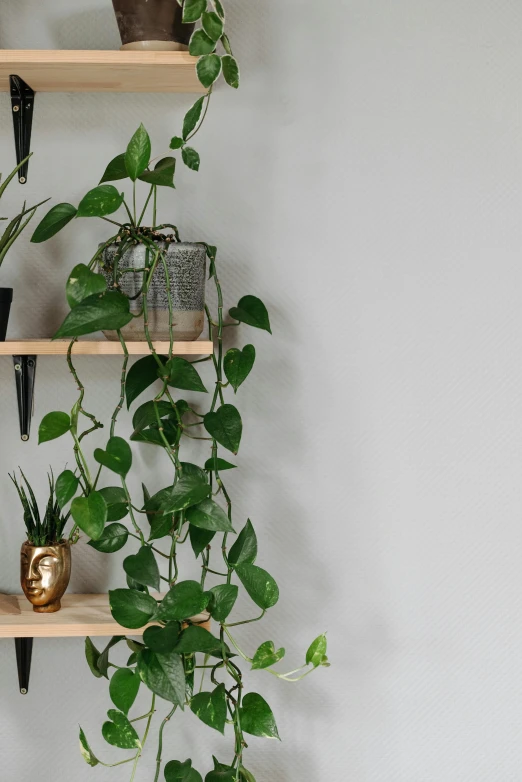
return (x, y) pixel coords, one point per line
(44, 575)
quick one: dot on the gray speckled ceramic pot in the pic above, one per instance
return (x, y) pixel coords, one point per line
(186, 263)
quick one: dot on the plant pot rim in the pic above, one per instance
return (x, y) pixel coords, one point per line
(63, 543)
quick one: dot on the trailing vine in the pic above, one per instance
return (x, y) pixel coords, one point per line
(188, 627)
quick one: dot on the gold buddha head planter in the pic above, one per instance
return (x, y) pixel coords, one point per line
(44, 574)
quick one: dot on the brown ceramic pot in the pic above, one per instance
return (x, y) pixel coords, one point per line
(44, 575)
(145, 23)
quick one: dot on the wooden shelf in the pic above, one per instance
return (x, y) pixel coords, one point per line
(70, 70)
(104, 347)
(79, 616)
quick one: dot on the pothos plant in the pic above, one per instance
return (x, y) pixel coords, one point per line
(194, 508)
(204, 44)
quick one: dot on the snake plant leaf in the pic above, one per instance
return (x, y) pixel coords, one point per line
(266, 655)
(197, 639)
(225, 426)
(191, 158)
(209, 515)
(201, 44)
(95, 313)
(130, 608)
(82, 283)
(224, 597)
(116, 499)
(123, 689)
(140, 376)
(230, 70)
(163, 674)
(119, 732)
(138, 152)
(187, 491)
(192, 118)
(143, 568)
(116, 457)
(252, 311)
(66, 487)
(192, 10)
(222, 464)
(87, 753)
(175, 771)
(316, 653)
(181, 373)
(199, 539)
(208, 68)
(238, 365)
(182, 601)
(244, 550)
(90, 514)
(211, 708)
(162, 639)
(113, 538)
(257, 717)
(162, 174)
(55, 219)
(100, 201)
(212, 25)
(53, 425)
(259, 584)
(115, 170)
(92, 655)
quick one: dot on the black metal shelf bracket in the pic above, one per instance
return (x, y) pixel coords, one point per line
(25, 373)
(24, 651)
(22, 105)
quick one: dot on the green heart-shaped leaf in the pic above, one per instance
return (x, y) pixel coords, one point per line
(87, 753)
(182, 601)
(140, 376)
(187, 491)
(92, 656)
(112, 539)
(191, 158)
(238, 364)
(192, 118)
(197, 639)
(163, 173)
(143, 568)
(90, 514)
(244, 550)
(210, 464)
(82, 283)
(257, 717)
(225, 426)
(175, 771)
(55, 219)
(66, 487)
(211, 708)
(317, 651)
(53, 425)
(130, 608)
(259, 584)
(100, 201)
(96, 313)
(138, 152)
(116, 457)
(199, 539)
(162, 639)
(181, 373)
(252, 311)
(209, 515)
(119, 732)
(115, 170)
(123, 689)
(164, 674)
(266, 656)
(224, 597)
(200, 44)
(116, 499)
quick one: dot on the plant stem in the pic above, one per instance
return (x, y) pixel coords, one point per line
(160, 743)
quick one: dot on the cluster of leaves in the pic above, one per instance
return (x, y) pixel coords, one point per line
(15, 226)
(46, 531)
(194, 508)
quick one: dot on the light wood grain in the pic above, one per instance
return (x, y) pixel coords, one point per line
(46, 347)
(80, 615)
(100, 71)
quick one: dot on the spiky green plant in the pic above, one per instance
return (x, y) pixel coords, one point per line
(46, 531)
(15, 226)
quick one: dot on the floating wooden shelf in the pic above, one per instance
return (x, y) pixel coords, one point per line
(69, 70)
(104, 347)
(79, 616)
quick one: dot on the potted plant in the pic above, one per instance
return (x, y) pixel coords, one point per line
(151, 25)
(10, 234)
(45, 557)
(193, 509)
(179, 267)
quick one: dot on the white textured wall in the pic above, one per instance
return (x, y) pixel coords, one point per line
(366, 183)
